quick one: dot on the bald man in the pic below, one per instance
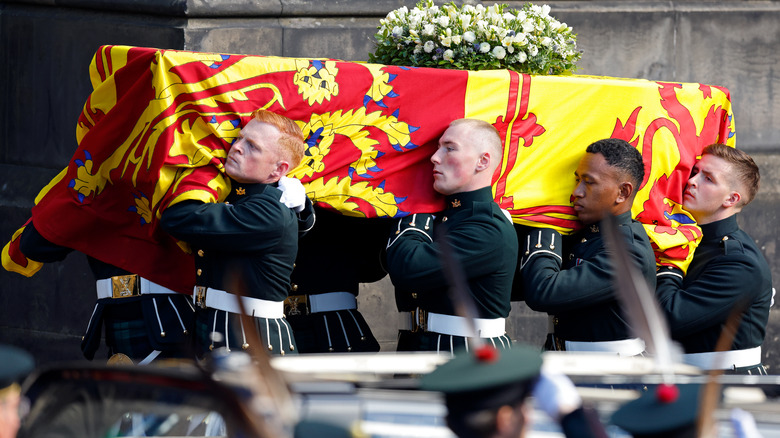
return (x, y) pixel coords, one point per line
(481, 239)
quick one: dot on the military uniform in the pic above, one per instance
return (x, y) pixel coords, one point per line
(573, 282)
(483, 241)
(143, 320)
(245, 247)
(333, 259)
(480, 382)
(727, 270)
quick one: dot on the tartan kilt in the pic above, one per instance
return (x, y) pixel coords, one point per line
(137, 326)
(218, 328)
(441, 343)
(339, 331)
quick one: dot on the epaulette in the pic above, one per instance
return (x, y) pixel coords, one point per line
(732, 246)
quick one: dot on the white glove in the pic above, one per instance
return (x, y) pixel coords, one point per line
(293, 193)
(556, 395)
(744, 424)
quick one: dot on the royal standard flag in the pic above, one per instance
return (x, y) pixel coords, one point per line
(157, 127)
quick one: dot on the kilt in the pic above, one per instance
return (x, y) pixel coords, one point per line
(137, 326)
(218, 328)
(338, 331)
(441, 343)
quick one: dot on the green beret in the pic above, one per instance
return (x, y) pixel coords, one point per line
(656, 413)
(15, 364)
(482, 380)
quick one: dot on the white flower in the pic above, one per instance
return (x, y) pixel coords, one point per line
(429, 46)
(482, 25)
(533, 50)
(445, 41)
(456, 39)
(546, 41)
(429, 29)
(546, 10)
(398, 31)
(444, 21)
(448, 54)
(465, 20)
(469, 37)
(521, 57)
(510, 49)
(484, 47)
(528, 26)
(498, 51)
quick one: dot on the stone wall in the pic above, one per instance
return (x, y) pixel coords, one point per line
(46, 47)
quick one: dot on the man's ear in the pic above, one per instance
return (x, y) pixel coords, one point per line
(625, 190)
(282, 167)
(732, 200)
(483, 162)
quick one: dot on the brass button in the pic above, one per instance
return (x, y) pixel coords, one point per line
(414, 295)
(200, 253)
(294, 287)
(725, 237)
(444, 219)
(199, 271)
(583, 240)
(555, 320)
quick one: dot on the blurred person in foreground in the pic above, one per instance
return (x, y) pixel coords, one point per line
(15, 365)
(487, 391)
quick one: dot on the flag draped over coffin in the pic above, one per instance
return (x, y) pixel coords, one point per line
(157, 127)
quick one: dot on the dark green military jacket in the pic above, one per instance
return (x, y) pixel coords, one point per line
(483, 242)
(249, 241)
(575, 283)
(727, 270)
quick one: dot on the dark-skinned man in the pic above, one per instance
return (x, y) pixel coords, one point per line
(572, 281)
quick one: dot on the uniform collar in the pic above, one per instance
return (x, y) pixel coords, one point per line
(718, 229)
(621, 219)
(464, 199)
(239, 190)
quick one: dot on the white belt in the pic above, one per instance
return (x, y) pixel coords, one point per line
(122, 286)
(724, 360)
(624, 347)
(331, 301)
(455, 325)
(225, 301)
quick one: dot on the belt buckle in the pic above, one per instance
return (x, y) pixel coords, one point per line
(123, 286)
(294, 303)
(200, 296)
(419, 320)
